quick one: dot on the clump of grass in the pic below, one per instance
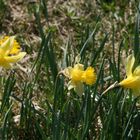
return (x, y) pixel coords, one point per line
(46, 109)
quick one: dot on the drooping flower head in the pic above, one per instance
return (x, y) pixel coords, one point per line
(10, 52)
(78, 76)
(133, 76)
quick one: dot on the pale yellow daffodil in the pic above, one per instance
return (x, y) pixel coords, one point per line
(78, 76)
(10, 52)
(133, 76)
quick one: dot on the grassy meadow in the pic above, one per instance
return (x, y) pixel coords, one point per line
(70, 84)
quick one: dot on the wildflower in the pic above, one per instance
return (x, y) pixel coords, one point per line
(133, 76)
(10, 52)
(78, 76)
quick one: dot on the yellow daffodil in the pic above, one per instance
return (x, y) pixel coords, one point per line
(133, 76)
(78, 76)
(10, 52)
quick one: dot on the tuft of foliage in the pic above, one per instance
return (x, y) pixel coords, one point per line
(47, 110)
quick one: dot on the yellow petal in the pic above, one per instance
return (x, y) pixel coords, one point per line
(79, 66)
(137, 71)
(6, 47)
(129, 65)
(67, 72)
(79, 89)
(3, 63)
(76, 74)
(15, 58)
(71, 85)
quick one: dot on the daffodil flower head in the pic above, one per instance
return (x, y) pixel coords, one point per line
(10, 52)
(78, 76)
(133, 76)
